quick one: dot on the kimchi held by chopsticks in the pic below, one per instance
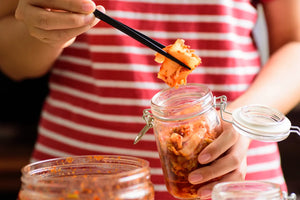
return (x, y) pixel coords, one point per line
(172, 73)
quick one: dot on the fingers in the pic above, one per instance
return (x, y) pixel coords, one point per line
(58, 37)
(227, 163)
(227, 157)
(48, 20)
(220, 145)
(216, 169)
(35, 8)
(238, 174)
(76, 6)
(57, 22)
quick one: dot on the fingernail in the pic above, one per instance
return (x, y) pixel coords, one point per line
(88, 6)
(204, 193)
(88, 18)
(101, 8)
(195, 178)
(204, 158)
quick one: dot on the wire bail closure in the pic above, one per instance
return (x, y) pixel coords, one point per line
(221, 102)
(255, 121)
(286, 196)
(148, 117)
(295, 129)
(258, 122)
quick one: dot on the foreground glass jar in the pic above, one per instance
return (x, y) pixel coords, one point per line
(87, 178)
(249, 190)
(184, 122)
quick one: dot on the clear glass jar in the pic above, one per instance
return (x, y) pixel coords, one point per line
(249, 190)
(184, 122)
(87, 178)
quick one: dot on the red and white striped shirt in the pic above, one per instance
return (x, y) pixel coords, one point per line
(101, 84)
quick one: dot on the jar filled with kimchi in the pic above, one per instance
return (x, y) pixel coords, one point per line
(87, 178)
(185, 121)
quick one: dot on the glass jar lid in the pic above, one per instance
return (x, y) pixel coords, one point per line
(258, 122)
(261, 123)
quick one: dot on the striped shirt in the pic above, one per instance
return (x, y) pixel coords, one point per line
(101, 84)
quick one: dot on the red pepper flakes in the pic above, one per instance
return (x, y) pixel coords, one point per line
(98, 158)
(69, 160)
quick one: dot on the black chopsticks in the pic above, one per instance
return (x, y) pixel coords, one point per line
(154, 45)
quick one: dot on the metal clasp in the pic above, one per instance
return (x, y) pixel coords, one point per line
(295, 129)
(148, 117)
(221, 102)
(293, 196)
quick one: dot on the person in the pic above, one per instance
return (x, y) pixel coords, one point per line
(101, 79)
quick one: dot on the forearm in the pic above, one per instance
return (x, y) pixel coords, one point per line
(278, 83)
(21, 55)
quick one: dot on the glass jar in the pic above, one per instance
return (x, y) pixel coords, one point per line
(184, 122)
(249, 190)
(87, 178)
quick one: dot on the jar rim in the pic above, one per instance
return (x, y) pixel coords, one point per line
(267, 189)
(192, 93)
(35, 171)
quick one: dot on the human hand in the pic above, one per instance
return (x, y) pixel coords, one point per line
(227, 157)
(57, 22)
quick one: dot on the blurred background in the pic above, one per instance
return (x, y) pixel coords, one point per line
(20, 105)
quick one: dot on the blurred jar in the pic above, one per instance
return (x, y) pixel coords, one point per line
(249, 190)
(185, 122)
(87, 178)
